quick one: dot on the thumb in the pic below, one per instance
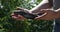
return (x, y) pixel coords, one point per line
(40, 16)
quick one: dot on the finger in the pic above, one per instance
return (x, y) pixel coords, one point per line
(20, 16)
(14, 17)
(17, 18)
(43, 10)
(41, 16)
(19, 8)
(12, 14)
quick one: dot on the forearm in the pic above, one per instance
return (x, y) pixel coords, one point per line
(43, 5)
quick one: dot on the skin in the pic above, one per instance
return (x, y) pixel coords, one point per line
(50, 15)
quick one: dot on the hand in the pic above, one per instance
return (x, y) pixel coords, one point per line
(48, 15)
(19, 17)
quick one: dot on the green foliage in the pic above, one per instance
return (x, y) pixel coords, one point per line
(7, 24)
